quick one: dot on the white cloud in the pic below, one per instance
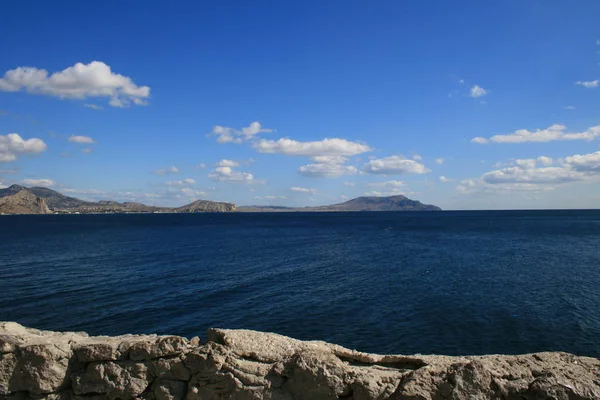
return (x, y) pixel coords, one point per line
(80, 139)
(394, 165)
(325, 147)
(387, 184)
(417, 157)
(568, 107)
(227, 163)
(588, 84)
(477, 91)
(87, 150)
(536, 174)
(167, 171)
(93, 106)
(327, 170)
(192, 192)
(329, 159)
(391, 192)
(439, 161)
(77, 82)
(443, 179)
(201, 166)
(13, 145)
(343, 197)
(82, 191)
(479, 140)
(227, 174)
(303, 190)
(552, 133)
(269, 197)
(183, 182)
(8, 171)
(231, 135)
(39, 182)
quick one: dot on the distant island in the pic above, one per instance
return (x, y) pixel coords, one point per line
(366, 203)
(18, 199)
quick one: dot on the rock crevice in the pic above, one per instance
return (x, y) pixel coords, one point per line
(242, 364)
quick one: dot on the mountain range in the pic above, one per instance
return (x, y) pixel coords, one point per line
(18, 199)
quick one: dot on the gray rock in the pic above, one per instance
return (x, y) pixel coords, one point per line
(241, 364)
(122, 380)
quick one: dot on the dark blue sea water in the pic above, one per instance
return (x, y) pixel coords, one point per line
(447, 282)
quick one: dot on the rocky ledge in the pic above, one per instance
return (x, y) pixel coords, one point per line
(240, 364)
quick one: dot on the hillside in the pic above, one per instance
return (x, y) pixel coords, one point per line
(391, 203)
(23, 202)
(59, 203)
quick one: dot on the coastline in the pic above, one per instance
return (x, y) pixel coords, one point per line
(242, 364)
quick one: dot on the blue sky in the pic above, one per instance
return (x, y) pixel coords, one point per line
(463, 104)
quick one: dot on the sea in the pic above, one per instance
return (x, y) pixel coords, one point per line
(455, 283)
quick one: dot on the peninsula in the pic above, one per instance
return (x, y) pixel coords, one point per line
(18, 199)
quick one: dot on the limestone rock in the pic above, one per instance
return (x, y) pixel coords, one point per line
(249, 365)
(123, 380)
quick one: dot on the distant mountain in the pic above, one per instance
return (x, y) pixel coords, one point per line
(23, 202)
(391, 203)
(207, 206)
(58, 202)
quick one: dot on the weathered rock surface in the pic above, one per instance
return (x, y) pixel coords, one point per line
(240, 364)
(23, 202)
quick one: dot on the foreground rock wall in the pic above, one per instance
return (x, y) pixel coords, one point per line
(239, 364)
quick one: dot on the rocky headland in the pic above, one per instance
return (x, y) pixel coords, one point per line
(23, 202)
(241, 364)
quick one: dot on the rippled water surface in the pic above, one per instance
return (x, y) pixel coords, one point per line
(448, 282)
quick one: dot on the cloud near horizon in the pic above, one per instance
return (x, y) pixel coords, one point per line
(552, 133)
(536, 174)
(394, 165)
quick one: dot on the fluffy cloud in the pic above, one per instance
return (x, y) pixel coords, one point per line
(439, 161)
(167, 171)
(552, 133)
(93, 106)
(327, 170)
(80, 139)
(388, 184)
(227, 163)
(443, 179)
(39, 182)
(228, 174)
(588, 84)
(303, 190)
(77, 82)
(269, 197)
(477, 91)
(417, 157)
(392, 192)
(231, 135)
(394, 165)
(183, 182)
(536, 174)
(326, 147)
(568, 107)
(13, 145)
(201, 166)
(191, 192)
